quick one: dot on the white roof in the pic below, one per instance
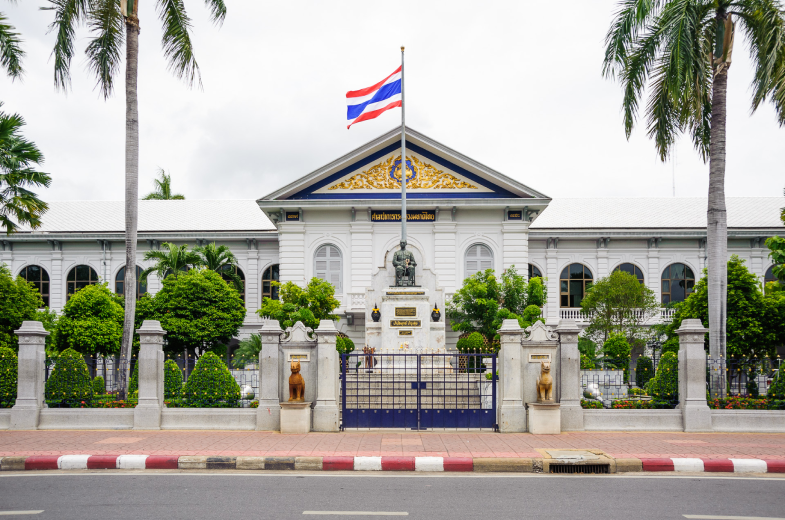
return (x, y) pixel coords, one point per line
(661, 213)
(155, 216)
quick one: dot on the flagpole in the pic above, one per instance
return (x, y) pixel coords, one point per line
(403, 157)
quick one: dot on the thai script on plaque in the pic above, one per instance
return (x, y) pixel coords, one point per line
(405, 293)
(405, 323)
(406, 312)
(292, 216)
(405, 332)
(537, 358)
(515, 215)
(425, 215)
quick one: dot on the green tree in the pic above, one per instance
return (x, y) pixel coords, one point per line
(173, 380)
(48, 319)
(664, 386)
(19, 159)
(776, 247)
(248, 351)
(677, 53)
(310, 305)
(9, 370)
(172, 259)
(616, 350)
(70, 382)
(92, 322)
(106, 20)
(211, 385)
(221, 260)
(11, 52)
(163, 188)
(99, 386)
(619, 304)
(197, 309)
(19, 301)
(644, 371)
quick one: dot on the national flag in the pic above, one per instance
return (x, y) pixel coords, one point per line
(369, 103)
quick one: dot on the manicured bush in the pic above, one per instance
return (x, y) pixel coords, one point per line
(664, 386)
(173, 380)
(590, 404)
(344, 344)
(8, 374)
(777, 388)
(70, 384)
(133, 384)
(622, 404)
(211, 385)
(99, 386)
(636, 391)
(475, 342)
(587, 363)
(617, 354)
(461, 345)
(644, 371)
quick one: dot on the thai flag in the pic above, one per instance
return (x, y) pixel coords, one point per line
(369, 103)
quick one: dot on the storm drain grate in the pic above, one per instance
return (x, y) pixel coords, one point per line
(580, 468)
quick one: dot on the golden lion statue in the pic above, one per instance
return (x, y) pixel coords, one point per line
(296, 383)
(545, 382)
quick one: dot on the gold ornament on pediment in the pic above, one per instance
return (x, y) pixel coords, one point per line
(386, 175)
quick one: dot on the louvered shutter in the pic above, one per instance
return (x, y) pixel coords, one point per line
(478, 258)
(328, 266)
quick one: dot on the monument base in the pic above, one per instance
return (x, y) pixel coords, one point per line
(544, 418)
(295, 417)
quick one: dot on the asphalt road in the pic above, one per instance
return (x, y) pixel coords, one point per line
(237, 495)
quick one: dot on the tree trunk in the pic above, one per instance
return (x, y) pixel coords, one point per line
(131, 193)
(717, 221)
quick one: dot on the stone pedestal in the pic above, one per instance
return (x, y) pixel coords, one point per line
(570, 375)
(406, 317)
(295, 417)
(544, 418)
(695, 411)
(512, 414)
(30, 382)
(326, 414)
(268, 413)
(147, 414)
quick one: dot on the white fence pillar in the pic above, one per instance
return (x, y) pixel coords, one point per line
(30, 382)
(571, 410)
(512, 414)
(326, 413)
(695, 411)
(147, 414)
(268, 415)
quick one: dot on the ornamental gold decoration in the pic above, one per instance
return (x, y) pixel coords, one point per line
(387, 176)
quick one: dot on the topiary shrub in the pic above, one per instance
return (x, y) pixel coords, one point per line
(99, 386)
(475, 342)
(644, 371)
(461, 345)
(587, 363)
(777, 389)
(9, 369)
(344, 344)
(173, 380)
(211, 385)
(133, 384)
(617, 354)
(664, 386)
(70, 384)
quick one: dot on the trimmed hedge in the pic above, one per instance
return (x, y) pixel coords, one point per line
(70, 383)
(99, 386)
(133, 383)
(590, 404)
(587, 363)
(777, 388)
(9, 370)
(173, 380)
(211, 385)
(344, 345)
(644, 371)
(664, 386)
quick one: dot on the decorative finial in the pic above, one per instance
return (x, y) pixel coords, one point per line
(401, 48)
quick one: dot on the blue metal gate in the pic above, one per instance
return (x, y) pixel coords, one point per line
(418, 391)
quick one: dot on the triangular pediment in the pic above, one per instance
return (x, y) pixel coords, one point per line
(373, 171)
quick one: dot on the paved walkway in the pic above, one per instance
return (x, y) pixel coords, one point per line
(457, 444)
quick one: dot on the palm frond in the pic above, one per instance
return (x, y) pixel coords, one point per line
(171, 259)
(104, 52)
(11, 52)
(163, 188)
(631, 17)
(176, 41)
(217, 10)
(68, 15)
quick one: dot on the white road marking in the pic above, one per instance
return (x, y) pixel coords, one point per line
(72, 462)
(429, 464)
(721, 517)
(358, 513)
(684, 464)
(11, 513)
(749, 466)
(367, 464)
(131, 461)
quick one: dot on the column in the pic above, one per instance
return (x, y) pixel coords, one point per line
(552, 273)
(57, 288)
(602, 258)
(362, 254)
(30, 382)
(291, 240)
(515, 245)
(147, 414)
(570, 375)
(696, 415)
(252, 292)
(268, 415)
(653, 270)
(325, 412)
(512, 414)
(444, 252)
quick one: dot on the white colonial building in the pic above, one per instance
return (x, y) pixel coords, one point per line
(342, 223)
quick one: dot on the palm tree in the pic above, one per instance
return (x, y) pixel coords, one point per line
(679, 51)
(163, 188)
(18, 156)
(172, 260)
(221, 260)
(105, 19)
(11, 52)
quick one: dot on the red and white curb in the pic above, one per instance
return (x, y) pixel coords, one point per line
(714, 465)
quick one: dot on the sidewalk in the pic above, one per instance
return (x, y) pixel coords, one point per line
(618, 445)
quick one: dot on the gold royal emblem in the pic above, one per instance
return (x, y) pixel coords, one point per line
(387, 176)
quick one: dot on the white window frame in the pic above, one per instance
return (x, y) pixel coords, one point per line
(490, 261)
(328, 271)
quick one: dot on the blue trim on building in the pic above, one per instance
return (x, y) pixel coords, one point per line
(497, 192)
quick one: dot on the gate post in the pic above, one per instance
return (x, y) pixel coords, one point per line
(30, 376)
(695, 412)
(147, 413)
(512, 414)
(268, 415)
(570, 372)
(325, 412)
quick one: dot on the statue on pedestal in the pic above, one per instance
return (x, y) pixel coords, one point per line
(404, 264)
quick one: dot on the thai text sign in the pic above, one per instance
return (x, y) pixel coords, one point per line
(406, 312)
(424, 215)
(405, 323)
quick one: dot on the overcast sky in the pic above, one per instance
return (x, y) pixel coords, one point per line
(514, 85)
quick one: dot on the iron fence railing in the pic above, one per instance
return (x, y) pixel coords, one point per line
(740, 377)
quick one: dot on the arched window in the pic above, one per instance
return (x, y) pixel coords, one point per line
(328, 265)
(37, 275)
(119, 282)
(478, 258)
(534, 272)
(79, 277)
(631, 269)
(575, 280)
(239, 273)
(270, 275)
(769, 276)
(678, 282)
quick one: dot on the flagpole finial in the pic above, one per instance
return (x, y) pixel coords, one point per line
(401, 48)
